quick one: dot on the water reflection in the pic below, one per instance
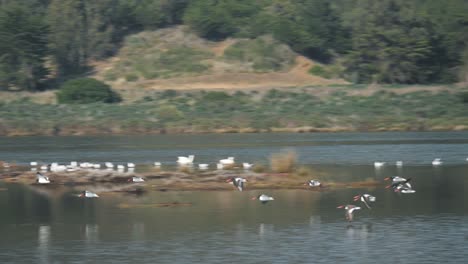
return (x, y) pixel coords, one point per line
(43, 241)
(138, 231)
(265, 230)
(91, 233)
(359, 231)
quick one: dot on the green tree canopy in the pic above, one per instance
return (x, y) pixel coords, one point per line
(23, 47)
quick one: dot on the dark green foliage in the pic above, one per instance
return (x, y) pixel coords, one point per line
(23, 47)
(264, 53)
(320, 71)
(385, 41)
(217, 19)
(216, 96)
(86, 90)
(464, 97)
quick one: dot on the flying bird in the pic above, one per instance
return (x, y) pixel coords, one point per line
(366, 199)
(238, 182)
(349, 211)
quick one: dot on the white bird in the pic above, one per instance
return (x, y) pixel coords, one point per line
(185, 160)
(203, 166)
(313, 183)
(247, 166)
(131, 165)
(228, 161)
(395, 179)
(136, 179)
(55, 167)
(263, 198)
(436, 162)
(349, 211)
(41, 178)
(88, 194)
(238, 182)
(365, 198)
(378, 164)
(33, 163)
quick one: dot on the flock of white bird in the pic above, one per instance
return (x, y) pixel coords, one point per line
(76, 166)
(399, 164)
(222, 163)
(130, 167)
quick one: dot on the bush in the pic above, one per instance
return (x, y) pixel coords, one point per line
(283, 162)
(464, 97)
(131, 77)
(320, 71)
(86, 90)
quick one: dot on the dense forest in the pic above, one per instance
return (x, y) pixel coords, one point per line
(43, 42)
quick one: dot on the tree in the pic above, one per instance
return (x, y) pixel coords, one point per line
(218, 19)
(78, 32)
(23, 48)
(390, 45)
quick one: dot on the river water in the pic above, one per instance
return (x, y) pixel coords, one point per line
(46, 224)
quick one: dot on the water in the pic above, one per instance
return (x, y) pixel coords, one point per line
(46, 224)
(417, 148)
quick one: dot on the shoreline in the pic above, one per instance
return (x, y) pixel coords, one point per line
(298, 130)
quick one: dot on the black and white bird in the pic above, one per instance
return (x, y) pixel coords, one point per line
(402, 187)
(42, 179)
(238, 182)
(313, 183)
(88, 194)
(263, 198)
(349, 210)
(136, 179)
(395, 179)
(366, 199)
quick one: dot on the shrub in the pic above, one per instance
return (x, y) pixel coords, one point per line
(131, 77)
(283, 162)
(320, 71)
(169, 113)
(216, 96)
(464, 97)
(86, 90)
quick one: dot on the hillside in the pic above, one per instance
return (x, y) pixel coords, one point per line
(174, 58)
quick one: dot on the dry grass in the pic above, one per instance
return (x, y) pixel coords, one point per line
(283, 162)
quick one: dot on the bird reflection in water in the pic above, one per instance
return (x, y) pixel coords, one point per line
(315, 220)
(91, 233)
(43, 242)
(138, 231)
(358, 231)
(265, 229)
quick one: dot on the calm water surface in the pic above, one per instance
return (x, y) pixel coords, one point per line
(45, 224)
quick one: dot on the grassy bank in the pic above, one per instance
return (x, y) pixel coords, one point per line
(297, 110)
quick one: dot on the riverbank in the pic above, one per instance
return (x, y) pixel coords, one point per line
(305, 109)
